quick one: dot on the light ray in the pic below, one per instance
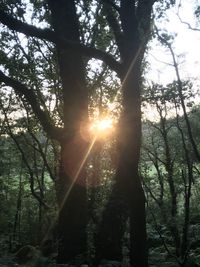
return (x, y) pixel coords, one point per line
(129, 70)
(78, 171)
(73, 181)
(102, 127)
(90, 147)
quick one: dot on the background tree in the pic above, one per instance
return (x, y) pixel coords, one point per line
(52, 83)
(169, 158)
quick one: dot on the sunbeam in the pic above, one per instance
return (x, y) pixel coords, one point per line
(99, 129)
(73, 181)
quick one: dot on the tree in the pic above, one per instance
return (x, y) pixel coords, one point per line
(169, 169)
(180, 87)
(128, 27)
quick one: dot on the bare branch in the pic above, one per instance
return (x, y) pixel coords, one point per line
(188, 24)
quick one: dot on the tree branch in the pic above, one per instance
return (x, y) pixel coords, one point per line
(188, 24)
(143, 14)
(114, 25)
(49, 35)
(44, 118)
(24, 158)
(112, 4)
(128, 17)
(180, 93)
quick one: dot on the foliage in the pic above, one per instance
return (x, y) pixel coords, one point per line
(29, 159)
(170, 172)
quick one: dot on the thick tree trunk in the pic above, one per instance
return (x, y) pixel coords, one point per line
(72, 219)
(129, 146)
(127, 198)
(71, 183)
(108, 239)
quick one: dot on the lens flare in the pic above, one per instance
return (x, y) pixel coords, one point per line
(102, 126)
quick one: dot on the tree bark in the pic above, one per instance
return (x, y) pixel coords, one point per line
(71, 183)
(129, 149)
(72, 218)
(17, 219)
(127, 198)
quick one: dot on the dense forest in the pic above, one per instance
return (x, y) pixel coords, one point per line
(99, 165)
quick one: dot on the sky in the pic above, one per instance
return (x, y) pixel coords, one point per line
(186, 46)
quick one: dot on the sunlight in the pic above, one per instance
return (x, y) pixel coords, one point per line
(102, 126)
(105, 124)
(73, 181)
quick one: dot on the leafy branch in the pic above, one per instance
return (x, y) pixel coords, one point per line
(50, 35)
(43, 116)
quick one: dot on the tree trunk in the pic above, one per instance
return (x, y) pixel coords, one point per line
(18, 210)
(169, 167)
(72, 219)
(108, 239)
(127, 198)
(129, 149)
(71, 184)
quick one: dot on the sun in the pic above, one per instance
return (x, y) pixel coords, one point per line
(102, 127)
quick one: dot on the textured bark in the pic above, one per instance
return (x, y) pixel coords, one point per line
(108, 239)
(127, 198)
(71, 184)
(72, 218)
(129, 148)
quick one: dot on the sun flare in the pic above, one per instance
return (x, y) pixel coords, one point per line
(103, 126)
